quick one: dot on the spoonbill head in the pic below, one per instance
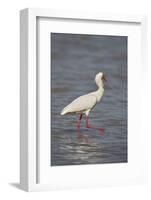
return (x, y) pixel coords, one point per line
(100, 78)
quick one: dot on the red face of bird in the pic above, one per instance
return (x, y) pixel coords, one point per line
(104, 77)
(100, 76)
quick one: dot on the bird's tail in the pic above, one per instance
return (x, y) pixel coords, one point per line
(65, 110)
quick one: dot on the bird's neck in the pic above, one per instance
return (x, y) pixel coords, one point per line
(100, 85)
(99, 93)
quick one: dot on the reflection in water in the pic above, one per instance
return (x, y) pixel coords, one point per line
(75, 59)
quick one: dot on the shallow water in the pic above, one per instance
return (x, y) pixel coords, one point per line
(75, 59)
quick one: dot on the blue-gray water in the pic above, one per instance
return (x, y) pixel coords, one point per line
(75, 60)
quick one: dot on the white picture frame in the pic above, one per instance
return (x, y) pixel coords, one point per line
(29, 148)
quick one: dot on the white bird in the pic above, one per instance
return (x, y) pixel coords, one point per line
(85, 103)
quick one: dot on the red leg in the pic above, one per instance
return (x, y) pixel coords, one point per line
(91, 126)
(78, 126)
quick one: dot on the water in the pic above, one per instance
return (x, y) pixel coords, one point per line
(75, 60)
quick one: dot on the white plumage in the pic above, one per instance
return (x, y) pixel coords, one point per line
(85, 103)
(81, 104)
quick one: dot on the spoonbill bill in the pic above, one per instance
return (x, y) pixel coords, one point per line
(85, 103)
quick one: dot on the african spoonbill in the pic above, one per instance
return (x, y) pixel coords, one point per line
(85, 103)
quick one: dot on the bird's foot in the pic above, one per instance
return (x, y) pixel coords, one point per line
(101, 130)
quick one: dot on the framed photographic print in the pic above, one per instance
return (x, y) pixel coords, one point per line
(82, 77)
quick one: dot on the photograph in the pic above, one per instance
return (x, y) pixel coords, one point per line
(88, 99)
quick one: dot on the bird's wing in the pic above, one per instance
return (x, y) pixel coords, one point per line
(82, 103)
